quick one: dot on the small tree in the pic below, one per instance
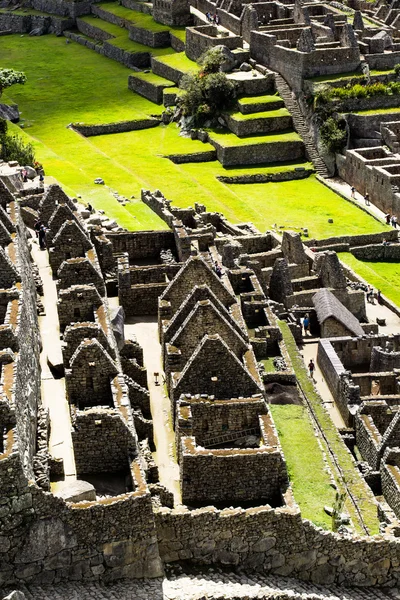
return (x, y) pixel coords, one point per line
(208, 92)
(9, 77)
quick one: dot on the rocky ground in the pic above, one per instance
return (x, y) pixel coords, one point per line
(212, 585)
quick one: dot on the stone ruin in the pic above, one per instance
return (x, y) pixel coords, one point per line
(106, 507)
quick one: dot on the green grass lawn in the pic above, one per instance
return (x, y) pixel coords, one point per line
(305, 463)
(259, 99)
(140, 19)
(268, 114)
(349, 472)
(226, 138)
(378, 111)
(70, 83)
(383, 276)
(180, 61)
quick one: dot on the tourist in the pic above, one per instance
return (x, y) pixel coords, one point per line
(385, 242)
(388, 218)
(311, 368)
(41, 177)
(37, 227)
(42, 237)
(394, 221)
(217, 269)
(366, 198)
(306, 324)
(217, 19)
(379, 297)
(370, 295)
(24, 175)
(353, 192)
(89, 207)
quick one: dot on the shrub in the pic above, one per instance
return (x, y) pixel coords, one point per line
(396, 69)
(207, 93)
(9, 77)
(14, 148)
(333, 134)
(211, 60)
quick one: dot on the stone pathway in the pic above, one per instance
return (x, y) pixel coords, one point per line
(309, 351)
(210, 585)
(53, 390)
(145, 329)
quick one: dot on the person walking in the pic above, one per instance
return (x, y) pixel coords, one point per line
(379, 297)
(394, 221)
(366, 198)
(311, 368)
(306, 324)
(353, 192)
(388, 218)
(42, 237)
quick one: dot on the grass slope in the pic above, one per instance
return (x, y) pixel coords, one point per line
(70, 83)
(381, 275)
(305, 463)
(350, 474)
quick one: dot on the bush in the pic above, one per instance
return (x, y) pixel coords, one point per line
(14, 148)
(207, 93)
(396, 69)
(211, 60)
(334, 135)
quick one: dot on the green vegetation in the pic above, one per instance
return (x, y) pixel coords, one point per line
(333, 134)
(139, 19)
(180, 61)
(351, 476)
(259, 99)
(348, 75)
(153, 78)
(356, 91)
(307, 471)
(121, 38)
(377, 111)
(9, 77)
(268, 114)
(226, 138)
(70, 83)
(381, 275)
(207, 93)
(14, 147)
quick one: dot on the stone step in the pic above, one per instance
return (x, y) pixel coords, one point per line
(255, 104)
(173, 66)
(149, 85)
(299, 125)
(256, 150)
(262, 122)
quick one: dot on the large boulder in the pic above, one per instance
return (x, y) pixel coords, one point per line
(229, 59)
(76, 491)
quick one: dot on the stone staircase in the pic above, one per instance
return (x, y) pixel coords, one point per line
(298, 121)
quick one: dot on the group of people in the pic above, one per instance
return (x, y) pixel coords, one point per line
(40, 231)
(212, 18)
(371, 295)
(391, 220)
(24, 176)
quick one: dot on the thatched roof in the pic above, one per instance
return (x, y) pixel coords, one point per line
(327, 305)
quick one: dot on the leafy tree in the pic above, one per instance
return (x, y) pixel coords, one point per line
(12, 147)
(9, 77)
(207, 93)
(333, 134)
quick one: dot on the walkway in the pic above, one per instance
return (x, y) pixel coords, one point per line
(299, 125)
(53, 390)
(145, 329)
(309, 351)
(212, 584)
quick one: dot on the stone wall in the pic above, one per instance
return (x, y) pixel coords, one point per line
(142, 244)
(257, 153)
(119, 127)
(377, 253)
(202, 38)
(47, 540)
(102, 442)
